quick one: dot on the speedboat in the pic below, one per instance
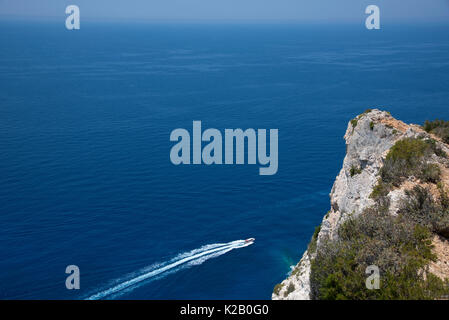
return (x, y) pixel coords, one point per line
(250, 240)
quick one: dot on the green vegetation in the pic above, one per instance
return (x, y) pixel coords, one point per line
(422, 209)
(401, 246)
(407, 150)
(312, 245)
(430, 172)
(408, 157)
(435, 149)
(355, 170)
(290, 289)
(444, 196)
(371, 125)
(278, 288)
(295, 271)
(438, 127)
(380, 190)
(355, 120)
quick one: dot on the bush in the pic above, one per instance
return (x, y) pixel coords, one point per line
(444, 196)
(393, 172)
(431, 125)
(399, 247)
(380, 190)
(421, 208)
(371, 125)
(430, 172)
(408, 150)
(277, 288)
(408, 158)
(355, 170)
(312, 245)
(290, 289)
(438, 127)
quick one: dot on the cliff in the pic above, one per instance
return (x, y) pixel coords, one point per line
(369, 139)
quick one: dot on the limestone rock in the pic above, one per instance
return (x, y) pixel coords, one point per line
(368, 140)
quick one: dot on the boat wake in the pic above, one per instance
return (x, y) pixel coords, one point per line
(187, 259)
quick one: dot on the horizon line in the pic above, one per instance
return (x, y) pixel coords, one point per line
(90, 19)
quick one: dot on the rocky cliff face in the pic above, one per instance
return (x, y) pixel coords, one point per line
(368, 137)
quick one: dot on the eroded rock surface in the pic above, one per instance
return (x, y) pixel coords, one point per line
(368, 137)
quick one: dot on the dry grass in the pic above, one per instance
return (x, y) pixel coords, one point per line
(440, 268)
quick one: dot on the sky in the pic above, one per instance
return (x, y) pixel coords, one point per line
(224, 10)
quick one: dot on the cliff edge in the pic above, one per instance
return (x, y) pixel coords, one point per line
(377, 176)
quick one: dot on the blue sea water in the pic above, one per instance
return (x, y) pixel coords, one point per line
(85, 174)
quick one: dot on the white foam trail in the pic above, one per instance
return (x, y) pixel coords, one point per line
(194, 257)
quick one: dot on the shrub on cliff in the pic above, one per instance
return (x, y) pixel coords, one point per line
(408, 157)
(424, 210)
(438, 127)
(380, 190)
(404, 159)
(430, 172)
(313, 242)
(290, 289)
(400, 248)
(278, 288)
(444, 196)
(355, 170)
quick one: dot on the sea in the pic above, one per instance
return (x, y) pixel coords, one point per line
(85, 173)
